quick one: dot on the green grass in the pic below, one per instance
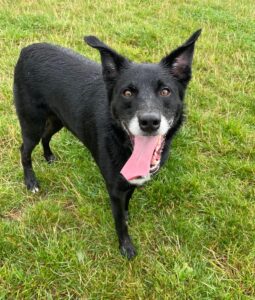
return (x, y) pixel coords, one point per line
(194, 225)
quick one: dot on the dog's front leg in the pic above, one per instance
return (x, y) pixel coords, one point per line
(119, 198)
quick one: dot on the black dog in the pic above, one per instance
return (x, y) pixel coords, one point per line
(125, 113)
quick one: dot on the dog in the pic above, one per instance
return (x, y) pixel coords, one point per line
(125, 113)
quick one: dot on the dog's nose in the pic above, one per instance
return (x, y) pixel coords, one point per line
(149, 122)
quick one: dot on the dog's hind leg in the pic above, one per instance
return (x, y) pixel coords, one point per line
(53, 125)
(32, 114)
(31, 134)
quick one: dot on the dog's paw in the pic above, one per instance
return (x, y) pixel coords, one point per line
(32, 185)
(50, 158)
(35, 189)
(128, 250)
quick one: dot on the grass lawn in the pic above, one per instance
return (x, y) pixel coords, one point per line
(194, 225)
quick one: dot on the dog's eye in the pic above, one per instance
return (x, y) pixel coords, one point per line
(165, 92)
(127, 93)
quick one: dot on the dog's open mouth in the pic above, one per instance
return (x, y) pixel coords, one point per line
(156, 157)
(145, 158)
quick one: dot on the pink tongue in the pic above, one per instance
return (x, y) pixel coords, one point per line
(140, 160)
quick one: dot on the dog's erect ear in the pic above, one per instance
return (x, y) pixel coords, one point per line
(112, 62)
(179, 61)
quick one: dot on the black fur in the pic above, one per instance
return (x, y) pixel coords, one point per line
(55, 87)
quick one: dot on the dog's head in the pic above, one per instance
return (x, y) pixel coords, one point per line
(147, 99)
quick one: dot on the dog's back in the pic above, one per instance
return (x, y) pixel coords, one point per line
(53, 81)
(48, 72)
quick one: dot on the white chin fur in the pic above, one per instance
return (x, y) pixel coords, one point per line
(165, 125)
(140, 181)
